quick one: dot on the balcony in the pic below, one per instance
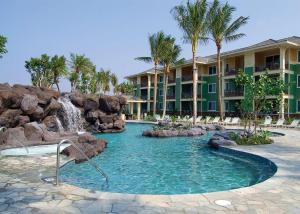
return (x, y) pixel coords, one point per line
(187, 78)
(144, 97)
(187, 95)
(144, 84)
(229, 72)
(170, 96)
(234, 93)
(170, 81)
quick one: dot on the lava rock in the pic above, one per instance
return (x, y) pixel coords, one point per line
(22, 120)
(53, 107)
(33, 131)
(29, 104)
(9, 118)
(13, 136)
(91, 104)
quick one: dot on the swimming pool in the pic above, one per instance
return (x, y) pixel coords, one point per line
(180, 165)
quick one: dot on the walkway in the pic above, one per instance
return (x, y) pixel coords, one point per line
(21, 189)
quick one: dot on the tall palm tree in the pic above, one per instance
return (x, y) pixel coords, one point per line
(221, 28)
(155, 43)
(191, 19)
(169, 58)
(103, 78)
(114, 81)
(79, 65)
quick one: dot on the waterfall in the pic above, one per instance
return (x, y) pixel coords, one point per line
(70, 115)
(60, 127)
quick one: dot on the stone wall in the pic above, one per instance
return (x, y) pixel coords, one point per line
(33, 115)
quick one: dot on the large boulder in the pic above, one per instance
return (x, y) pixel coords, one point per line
(44, 94)
(77, 99)
(91, 104)
(33, 131)
(90, 149)
(119, 124)
(22, 120)
(29, 104)
(38, 114)
(51, 123)
(13, 136)
(53, 107)
(92, 116)
(86, 137)
(110, 104)
(9, 118)
(106, 118)
(217, 141)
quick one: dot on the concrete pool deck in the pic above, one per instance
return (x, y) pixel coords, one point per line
(22, 190)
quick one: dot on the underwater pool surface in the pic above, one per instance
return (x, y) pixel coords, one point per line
(179, 165)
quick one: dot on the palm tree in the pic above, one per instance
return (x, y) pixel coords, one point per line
(3, 41)
(169, 58)
(191, 19)
(79, 65)
(103, 79)
(155, 43)
(114, 81)
(58, 68)
(221, 28)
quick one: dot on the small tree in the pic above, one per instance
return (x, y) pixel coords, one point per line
(58, 68)
(3, 49)
(40, 71)
(115, 82)
(103, 79)
(260, 95)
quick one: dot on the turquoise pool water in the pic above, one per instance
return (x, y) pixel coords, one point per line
(181, 165)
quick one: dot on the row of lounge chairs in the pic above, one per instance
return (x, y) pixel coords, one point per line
(206, 120)
(231, 121)
(280, 123)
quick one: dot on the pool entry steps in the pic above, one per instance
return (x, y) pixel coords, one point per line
(82, 153)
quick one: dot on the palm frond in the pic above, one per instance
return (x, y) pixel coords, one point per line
(234, 37)
(144, 59)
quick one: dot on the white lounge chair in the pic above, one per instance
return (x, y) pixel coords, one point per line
(268, 122)
(190, 120)
(293, 124)
(215, 120)
(279, 123)
(198, 119)
(207, 119)
(157, 117)
(185, 119)
(235, 121)
(226, 121)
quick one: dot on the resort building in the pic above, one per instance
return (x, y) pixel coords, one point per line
(281, 58)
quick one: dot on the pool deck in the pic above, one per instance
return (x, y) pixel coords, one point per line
(22, 191)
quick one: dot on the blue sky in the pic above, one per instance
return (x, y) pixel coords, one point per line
(112, 33)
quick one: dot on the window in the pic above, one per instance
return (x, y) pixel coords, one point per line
(212, 105)
(298, 105)
(272, 61)
(161, 78)
(212, 70)
(160, 92)
(227, 106)
(212, 88)
(298, 56)
(298, 81)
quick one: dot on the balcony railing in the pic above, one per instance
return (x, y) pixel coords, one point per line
(144, 97)
(186, 95)
(271, 67)
(233, 93)
(171, 80)
(171, 96)
(187, 78)
(229, 72)
(144, 84)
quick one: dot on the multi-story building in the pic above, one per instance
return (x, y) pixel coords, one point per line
(280, 57)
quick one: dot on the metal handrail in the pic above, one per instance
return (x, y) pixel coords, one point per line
(82, 153)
